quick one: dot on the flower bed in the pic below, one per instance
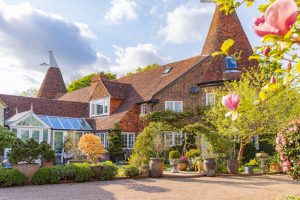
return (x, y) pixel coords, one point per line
(288, 147)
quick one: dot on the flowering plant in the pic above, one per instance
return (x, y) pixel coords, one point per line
(183, 159)
(288, 147)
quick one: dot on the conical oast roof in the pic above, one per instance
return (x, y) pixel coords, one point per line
(53, 85)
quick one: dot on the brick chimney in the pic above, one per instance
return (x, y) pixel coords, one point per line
(98, 77)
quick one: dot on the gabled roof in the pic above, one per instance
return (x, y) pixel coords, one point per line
(44, 106)
(150, 82)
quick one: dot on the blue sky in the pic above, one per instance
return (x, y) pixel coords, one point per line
(92, 35)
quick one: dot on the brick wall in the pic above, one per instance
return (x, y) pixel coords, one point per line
(114, 104)
(131, 121)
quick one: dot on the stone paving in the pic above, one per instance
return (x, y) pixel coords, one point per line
(237, 187)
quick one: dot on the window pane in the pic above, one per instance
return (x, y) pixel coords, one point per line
(15, 131)
(177, 138)
(75, 124)
(24, 135)
(168, 139)
(58, 142)
(99, 109)
(55, 123)
(178, 106)
(169, 105)
(130, 141)
(45, 135)
(36, 135)
(231, 63)
(210, 99)
(66, 124)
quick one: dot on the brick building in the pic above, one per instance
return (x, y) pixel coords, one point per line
(175, 86)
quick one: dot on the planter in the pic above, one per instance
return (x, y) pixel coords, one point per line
(261, 155)
(275, 168)
(47, 164)
(200, 166)
(97, 170)
(210, 166)
(156, 168)
(174, 164)
(27, 169)
(248, 170)
(144, 170)
(232, 166)
(182, 166)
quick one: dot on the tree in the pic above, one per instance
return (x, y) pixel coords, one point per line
(7, 138)
(142, 69)
(87, 80)
(31, 92)
(254, 118)
(148, 144)
(71, 145)
(116, 144)
(24, 151)
(91, 146)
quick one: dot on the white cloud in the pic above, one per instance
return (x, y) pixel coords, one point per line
(186, 23)
(121, 10)
(130, 58)
(26, 36)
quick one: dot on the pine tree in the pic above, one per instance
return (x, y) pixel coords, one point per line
(116, 144)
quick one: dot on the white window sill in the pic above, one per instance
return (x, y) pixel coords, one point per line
(232, 71)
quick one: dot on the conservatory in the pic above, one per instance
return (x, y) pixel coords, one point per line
(52, 129)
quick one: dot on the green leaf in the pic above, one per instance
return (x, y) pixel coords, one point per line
(226, 45)
(277, 71)
(294, 56)
(271, 38)
(262, 8)
(217, 53)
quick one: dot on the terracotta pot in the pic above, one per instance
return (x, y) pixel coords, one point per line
(27, 169)
(182, 166)
(232, 166)
(210, 166)
(200, 166)
(47, 164)
(156, 168)
(275, 168)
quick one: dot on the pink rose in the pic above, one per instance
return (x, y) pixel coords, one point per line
(278, 18)
(231, 101)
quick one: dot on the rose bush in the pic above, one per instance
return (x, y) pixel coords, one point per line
(288, 147)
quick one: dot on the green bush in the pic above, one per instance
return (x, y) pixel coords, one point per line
(27, 151)
(174, 155)
(252, 163)
(67, 172)
(47, 153)
(131, 171)
(193, 153)
(11, 177)
(83, 172)
(47, 176)
(109, 171)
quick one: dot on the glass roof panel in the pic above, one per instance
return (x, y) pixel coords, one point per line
(84, 124)
(55, 123)
(75, 124)
(66, 124)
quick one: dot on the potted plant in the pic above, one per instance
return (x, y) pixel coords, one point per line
(182, 164)
(191, 155)
(47, 154)
(210, 166)
(156, 165)
(23, 155)
(275, 166)
(174, 158)
(249, 166)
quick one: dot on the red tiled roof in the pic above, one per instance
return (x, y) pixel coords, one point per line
(80, 95)
(48, 107)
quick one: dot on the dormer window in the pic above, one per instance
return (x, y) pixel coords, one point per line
(167, 70)
(99, 107)
(231, 63)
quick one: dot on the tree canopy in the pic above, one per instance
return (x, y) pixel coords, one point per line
(87, 80)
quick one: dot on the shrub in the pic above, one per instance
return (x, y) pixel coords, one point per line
(193, 153)
(174, 155)
(71, 145)
(91, 146)
(47, 176)
(67, 172)
(7, 138)
(47, 153)
(252, 163)
(116, 144)
(11, 177)
(83, 172)
(131, 171)
(109, 171)
(27, 151)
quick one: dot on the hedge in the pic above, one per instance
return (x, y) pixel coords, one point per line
(11, 177)
(131, 171)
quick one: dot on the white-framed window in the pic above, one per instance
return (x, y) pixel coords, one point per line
(38, 135)
(99, 107)
(103, 139)
(176, 106)
(210, 99)
(172, 138)
(231, 63)
(144, 110)
(129, 139)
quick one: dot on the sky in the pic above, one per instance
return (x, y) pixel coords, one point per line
(92, 36)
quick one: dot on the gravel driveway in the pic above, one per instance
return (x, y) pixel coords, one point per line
(259, 187)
